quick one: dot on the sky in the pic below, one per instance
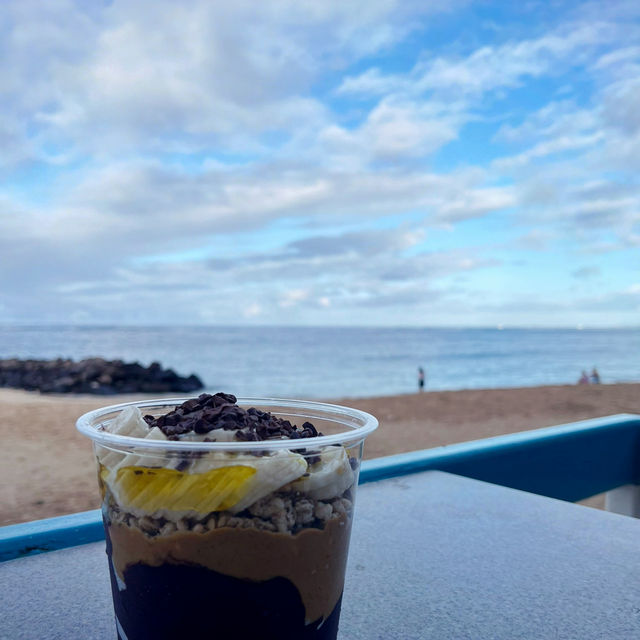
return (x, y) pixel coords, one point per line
(375, 162)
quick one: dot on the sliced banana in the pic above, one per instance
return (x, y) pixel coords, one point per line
(273, 472)
(148, 459)
(331, 476)
(218, 481)
(128, 423)
(217, 435)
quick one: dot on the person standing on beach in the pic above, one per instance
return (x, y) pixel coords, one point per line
(595, 376)
(421, 379)
(584, 378)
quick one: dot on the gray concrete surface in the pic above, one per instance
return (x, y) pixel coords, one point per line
(433, 556)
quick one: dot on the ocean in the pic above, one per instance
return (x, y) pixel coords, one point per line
(330, 362)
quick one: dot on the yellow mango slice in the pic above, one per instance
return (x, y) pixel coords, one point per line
(151, 489)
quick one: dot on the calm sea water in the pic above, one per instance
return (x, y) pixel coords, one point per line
(336, 362)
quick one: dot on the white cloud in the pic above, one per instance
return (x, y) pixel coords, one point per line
(490, 67)
(293, 297)
(253, 310)
(177, 129)
(547, 148)
(576, 165)
(392, 131)
(163, 76)
(371, 82)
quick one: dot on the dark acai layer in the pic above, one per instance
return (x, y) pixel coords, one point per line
(179, 601)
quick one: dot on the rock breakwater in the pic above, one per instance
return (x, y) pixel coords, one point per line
(93, 375)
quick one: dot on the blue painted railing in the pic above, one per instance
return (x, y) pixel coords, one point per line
(569, 462)
(29, 538)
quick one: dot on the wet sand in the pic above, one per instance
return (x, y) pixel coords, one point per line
(47, 468)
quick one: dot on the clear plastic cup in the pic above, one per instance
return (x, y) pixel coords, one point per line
(229, 539)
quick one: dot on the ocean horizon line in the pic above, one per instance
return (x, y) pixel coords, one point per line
(56, 325)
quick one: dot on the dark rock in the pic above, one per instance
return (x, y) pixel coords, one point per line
(93, 375)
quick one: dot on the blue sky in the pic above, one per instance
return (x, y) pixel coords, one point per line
(442, 163)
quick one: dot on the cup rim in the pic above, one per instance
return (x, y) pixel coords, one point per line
(89, 425)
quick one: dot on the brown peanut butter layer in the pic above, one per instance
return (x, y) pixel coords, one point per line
(313, 560)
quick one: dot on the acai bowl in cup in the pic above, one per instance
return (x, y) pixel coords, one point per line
(225, 517)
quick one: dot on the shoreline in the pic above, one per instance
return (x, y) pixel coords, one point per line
(6, 393)
(47, 467)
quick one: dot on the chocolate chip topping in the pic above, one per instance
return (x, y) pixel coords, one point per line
(220, 411)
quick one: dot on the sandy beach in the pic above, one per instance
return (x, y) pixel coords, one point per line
(47, 469)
